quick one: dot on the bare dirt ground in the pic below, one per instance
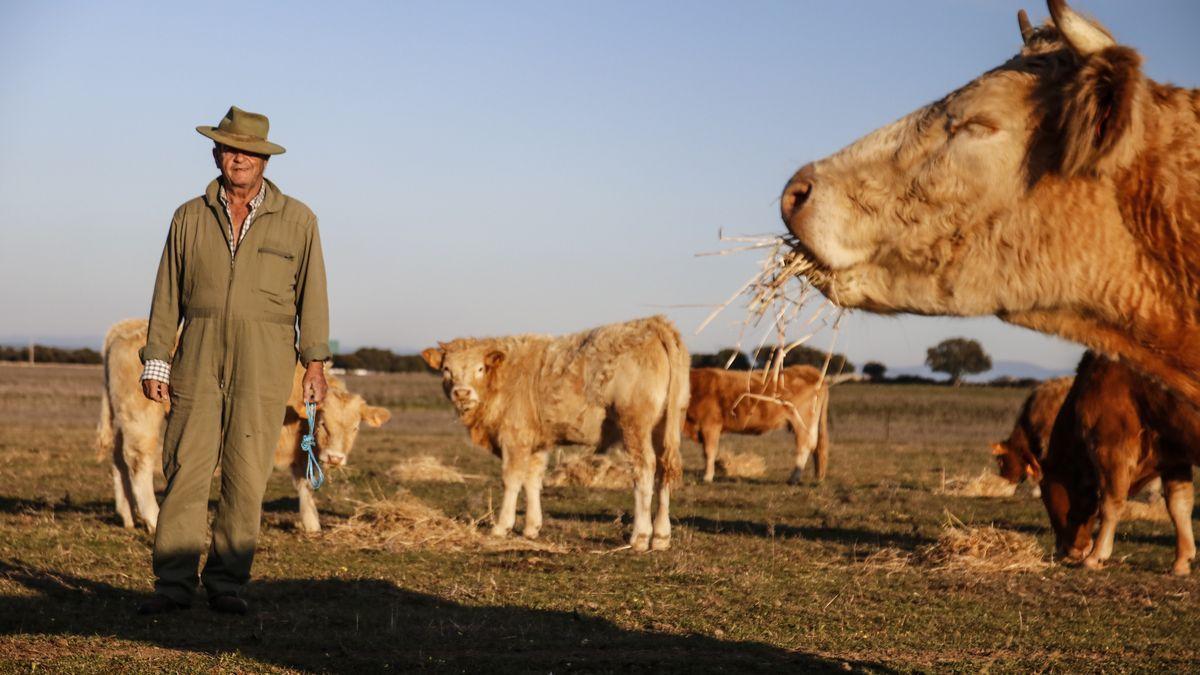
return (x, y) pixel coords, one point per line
(761, 575)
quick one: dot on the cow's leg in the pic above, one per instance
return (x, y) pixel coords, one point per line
(1180, 496)
(512, 473)
(139, 453)
(1114, 490)
(310, 520)
(641, 456)
(143, 493)
(712, 438)
(661, 540)
(1155, 490)
(122, 490)
(804, 435)
(535, 470)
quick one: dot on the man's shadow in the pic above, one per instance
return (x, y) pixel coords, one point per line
(372, 624)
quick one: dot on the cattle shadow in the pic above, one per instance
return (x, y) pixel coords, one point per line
(65, 504)
(374, 624)
(830, 534)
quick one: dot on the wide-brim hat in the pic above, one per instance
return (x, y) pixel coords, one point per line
(244, 131)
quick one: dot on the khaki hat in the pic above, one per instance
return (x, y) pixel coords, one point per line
(244, 131)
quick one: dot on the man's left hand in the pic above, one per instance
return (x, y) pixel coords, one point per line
(314, 385)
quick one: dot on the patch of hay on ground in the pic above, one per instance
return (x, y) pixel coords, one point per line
(963, 548)
(741, 465)
(404, 522)
(888, 559)
(610, 470)
(428, 469)
(984, 549)
(987, 484)
(1155, 511)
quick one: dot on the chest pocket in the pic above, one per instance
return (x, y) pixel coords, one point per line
(277, 272)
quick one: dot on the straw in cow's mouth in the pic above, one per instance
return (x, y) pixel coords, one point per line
(776, 295)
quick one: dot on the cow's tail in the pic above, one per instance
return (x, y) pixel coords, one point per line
(821, 455)
(105, 437)
(670, 462)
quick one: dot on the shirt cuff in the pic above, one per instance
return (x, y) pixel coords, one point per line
(317, 352)
(157, 370)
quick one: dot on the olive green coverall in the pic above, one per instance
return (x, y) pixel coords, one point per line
(231, 375)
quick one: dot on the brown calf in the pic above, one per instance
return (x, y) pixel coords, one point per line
(1116, 432)
(729, 401)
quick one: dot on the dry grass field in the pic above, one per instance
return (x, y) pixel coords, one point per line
(761, 575)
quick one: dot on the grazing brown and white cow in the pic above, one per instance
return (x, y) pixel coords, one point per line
(520, 396)
(1117, 431)
(1020, 455)
(131, 428)
(1059, 191)
(736, 402)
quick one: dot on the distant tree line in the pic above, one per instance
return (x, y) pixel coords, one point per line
(381, 361)
(802, 355)
(44, 354)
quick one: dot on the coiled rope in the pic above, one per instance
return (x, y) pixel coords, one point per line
(313, 472)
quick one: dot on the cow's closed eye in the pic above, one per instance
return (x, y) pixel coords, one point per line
(977, 126)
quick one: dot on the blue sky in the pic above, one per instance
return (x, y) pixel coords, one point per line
(482, 168)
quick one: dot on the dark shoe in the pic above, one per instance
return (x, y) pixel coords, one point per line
(159, 604)
(227, 603)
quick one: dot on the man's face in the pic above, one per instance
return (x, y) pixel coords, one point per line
(240, 169)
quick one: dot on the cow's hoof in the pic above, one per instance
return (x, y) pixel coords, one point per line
(794, 479)
(660, 543)
(640, 543)
(1093, 563)
(708, 479)
(310, 528)
(1035, 492)
(531, 532)
(1181, 568)
(498, 531)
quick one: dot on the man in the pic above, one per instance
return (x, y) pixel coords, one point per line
(242, 269)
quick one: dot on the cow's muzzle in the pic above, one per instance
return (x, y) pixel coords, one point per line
(796, 194)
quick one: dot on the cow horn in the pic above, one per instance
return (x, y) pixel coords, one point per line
(1025, 26)
(1083, 36)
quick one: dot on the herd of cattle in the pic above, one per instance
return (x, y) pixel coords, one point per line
(631, 384)
(1058, 191)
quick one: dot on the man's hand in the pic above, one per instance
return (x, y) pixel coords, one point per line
(159, 392)
(314, 386)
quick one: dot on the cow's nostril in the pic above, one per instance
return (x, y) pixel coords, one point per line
(797, 192)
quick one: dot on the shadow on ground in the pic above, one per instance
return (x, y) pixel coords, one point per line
(370, 624)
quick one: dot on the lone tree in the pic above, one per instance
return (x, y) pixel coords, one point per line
(958, 357)
(874, 370)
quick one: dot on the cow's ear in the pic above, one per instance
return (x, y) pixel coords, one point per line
(1034, 471)
(494, 358)
(1101, 116)
(433, 356)
(375, 416)
(998, 449)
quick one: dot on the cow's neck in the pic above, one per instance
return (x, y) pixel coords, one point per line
(1159, 193)
(1145, 308)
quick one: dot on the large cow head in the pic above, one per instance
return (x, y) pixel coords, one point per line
(468, 369)
(1029, 193)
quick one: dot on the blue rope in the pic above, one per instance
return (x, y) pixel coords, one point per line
(313, 472)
